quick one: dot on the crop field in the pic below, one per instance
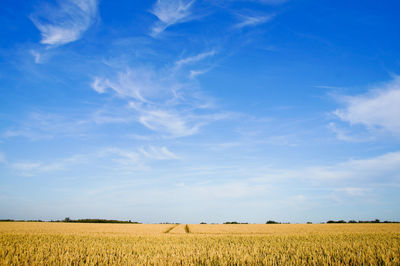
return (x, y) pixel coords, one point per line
(23, 243)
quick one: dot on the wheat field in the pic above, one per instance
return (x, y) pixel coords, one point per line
(143, 244)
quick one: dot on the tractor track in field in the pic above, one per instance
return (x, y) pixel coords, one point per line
(171, 228)
(178, 229)
(187, 229)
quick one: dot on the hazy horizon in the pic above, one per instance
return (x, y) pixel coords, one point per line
(200, 111)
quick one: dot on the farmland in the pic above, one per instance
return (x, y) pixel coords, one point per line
(281, 244)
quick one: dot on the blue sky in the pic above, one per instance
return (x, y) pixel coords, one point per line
(190, 111)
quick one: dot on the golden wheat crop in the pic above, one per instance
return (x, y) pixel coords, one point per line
(127, 244)
(82, 228)
(291, 229)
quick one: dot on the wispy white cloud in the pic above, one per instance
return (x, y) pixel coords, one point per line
(378, 109)
(127, 160)
(109, 115)
(164, 101)
(194, 73)
(175, 122)
(37, 56)
(345, 134)
(100, 85)
(27, 168)
(158, 153)
(329, 87)
(160, 99)
(152, 96)
(168, 122)
(138, 83)
(191, 61)
(251, 21)
(108, 159)
(226, 190)
(195, 58)
(41, 125)
(377, 169)
(142, 137)
(170, 12)
(353, 191)
(354, 178)
(34, 168)
(66, 22)
(2, 157)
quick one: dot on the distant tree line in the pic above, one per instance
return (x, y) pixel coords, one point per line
(272, 222)
(376, 221)
(100, 221)
(12, 220)
(68, 220)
